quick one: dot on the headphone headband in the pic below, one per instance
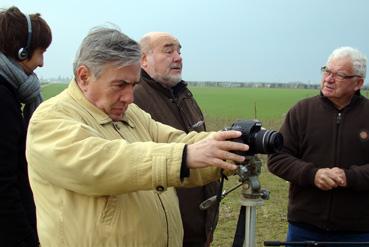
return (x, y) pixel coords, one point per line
(23, 52)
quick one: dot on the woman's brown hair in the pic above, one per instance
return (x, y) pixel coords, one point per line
(14, 32)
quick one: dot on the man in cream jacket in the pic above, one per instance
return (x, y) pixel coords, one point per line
(101, 170)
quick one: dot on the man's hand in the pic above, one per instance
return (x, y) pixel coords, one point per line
(339, 176)
(215, 151)
(329, 178)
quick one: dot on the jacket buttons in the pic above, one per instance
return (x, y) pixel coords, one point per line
(160, 188)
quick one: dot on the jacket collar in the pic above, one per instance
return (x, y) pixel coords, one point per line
(356, 98)
(100, 116)
(170, 92)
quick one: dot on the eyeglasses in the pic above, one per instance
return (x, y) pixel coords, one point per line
(336, 75)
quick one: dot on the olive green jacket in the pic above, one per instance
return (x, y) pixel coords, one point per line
(102, 183)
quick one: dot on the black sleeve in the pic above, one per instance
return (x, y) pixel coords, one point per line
(185, 171)
(15, 226)
(286, 164)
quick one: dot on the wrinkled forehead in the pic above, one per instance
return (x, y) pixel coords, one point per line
(165, 40)
(341, 63)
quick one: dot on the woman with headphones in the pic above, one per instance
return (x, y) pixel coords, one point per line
(23, 41)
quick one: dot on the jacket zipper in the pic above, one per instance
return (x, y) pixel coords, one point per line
(338, 123)
(338, 119)
(336, 146)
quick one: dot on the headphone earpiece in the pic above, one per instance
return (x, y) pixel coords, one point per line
(23, 52)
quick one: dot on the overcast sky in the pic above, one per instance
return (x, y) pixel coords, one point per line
(222, 40)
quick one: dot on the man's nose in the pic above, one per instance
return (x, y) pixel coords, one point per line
(177, 56)
(330, 77)
(127, 94)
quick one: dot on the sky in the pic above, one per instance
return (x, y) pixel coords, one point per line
(222, 40)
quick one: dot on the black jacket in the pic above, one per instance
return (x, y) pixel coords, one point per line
(177, 108)
(17, 209)
(317, 135)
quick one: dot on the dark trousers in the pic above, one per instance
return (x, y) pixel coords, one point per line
(300, 233)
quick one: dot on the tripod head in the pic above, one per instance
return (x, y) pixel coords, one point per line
(248, 172)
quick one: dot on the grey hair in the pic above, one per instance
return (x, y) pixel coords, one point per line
(106, 45)
(358, 59)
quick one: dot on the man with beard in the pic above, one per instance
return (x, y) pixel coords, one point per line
(162, 93)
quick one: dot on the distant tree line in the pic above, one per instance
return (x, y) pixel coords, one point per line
(58, 79)
(254, 84)
(300, 85)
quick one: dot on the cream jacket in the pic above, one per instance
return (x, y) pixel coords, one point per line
(102, 183)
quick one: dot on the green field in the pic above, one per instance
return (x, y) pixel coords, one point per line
(221, 106)
(261, 103)
(50, 90)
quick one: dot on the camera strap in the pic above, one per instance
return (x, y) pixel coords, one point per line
(239, 235)
(209, 237)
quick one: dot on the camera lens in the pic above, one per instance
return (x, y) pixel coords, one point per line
(268, 141)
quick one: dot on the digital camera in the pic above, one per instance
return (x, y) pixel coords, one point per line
(260, 140)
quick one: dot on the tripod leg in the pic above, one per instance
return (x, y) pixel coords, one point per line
(250, 231)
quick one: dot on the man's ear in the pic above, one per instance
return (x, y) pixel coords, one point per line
(143, 60)
(83, 75)
(359, 84)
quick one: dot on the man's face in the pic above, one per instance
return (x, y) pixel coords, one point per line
(164, 62)
(112, 92)
(339, 82)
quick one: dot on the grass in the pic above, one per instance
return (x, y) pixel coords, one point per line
(248, 103)
(49, 90)
(222, 106)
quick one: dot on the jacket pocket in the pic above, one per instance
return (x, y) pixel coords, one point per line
(107, 216)
(192, 115)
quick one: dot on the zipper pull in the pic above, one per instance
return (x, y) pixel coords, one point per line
(338, 120)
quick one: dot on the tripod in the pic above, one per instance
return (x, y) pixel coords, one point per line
(251, 197)
(249, 205)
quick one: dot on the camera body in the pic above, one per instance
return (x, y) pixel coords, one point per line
(260, 140)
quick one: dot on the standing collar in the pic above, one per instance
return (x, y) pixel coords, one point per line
(158, 86)
(356, 98)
